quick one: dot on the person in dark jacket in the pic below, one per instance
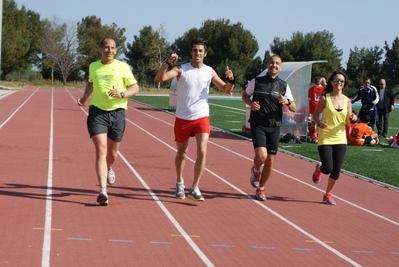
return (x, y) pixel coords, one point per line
(266, 95)
(385, 106)
(369, 97)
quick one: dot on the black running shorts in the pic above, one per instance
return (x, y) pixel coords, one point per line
(110, 122)
(265, 136)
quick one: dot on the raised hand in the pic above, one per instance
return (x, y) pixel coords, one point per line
(229, 74)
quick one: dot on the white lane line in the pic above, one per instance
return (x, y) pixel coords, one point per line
(320, 242)
(12, 115)
(47, 225)
(314, 187)
(286, 175)
(48, 216)
(193, 245)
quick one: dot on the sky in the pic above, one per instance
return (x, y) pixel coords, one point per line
(354, 23)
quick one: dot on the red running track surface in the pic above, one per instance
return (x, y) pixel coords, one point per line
(50, 217)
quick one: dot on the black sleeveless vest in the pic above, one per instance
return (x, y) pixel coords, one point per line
(267, 92)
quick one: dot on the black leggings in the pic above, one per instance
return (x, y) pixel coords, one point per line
(332, 157)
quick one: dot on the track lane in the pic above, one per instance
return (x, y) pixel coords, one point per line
(229, 228)
(380, 191)
(24, 169)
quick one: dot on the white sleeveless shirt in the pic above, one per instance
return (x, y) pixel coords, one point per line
(192, 92)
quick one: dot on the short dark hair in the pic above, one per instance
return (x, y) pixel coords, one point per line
(366, 118)
(317, 80)
(198, 41)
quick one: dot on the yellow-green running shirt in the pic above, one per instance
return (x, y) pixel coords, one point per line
(103, 77)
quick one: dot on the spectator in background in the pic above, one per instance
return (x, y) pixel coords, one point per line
(323, 81)
(349, 128)
(369, 97)
(384, 107)
(314, 94)
(393, 141)
(361, 133)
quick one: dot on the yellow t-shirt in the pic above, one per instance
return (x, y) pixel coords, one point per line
(335, 133)
(103, 77)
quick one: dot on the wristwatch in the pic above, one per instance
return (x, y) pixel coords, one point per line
(289, 102)
(122, 95)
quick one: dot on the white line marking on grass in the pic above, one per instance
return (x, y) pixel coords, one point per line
(282, 173)
(227, 107)
(273, 212)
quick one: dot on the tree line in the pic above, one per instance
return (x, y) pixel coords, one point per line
(63, 50)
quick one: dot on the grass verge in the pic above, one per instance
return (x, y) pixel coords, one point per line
(378, 163)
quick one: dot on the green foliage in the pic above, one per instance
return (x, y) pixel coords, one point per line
(90, 34)
(307, 47)
(391, 63)
(35, 27)
(27, 75)
(228, 45)
(147, 53)
(364, 62)
(19, 38)
(252, 71)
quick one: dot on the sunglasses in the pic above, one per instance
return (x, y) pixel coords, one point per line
(338, 80)
(382, 84)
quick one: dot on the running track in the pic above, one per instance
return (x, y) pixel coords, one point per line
(49, 214)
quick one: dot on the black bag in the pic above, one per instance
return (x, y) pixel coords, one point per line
(289, 138)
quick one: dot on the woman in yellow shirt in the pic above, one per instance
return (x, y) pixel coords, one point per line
(336, 110)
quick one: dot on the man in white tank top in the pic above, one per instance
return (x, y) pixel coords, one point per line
(192, 110)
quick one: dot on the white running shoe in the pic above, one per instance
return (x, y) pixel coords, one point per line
(195, 194)
(179, 193)
(102, 197)
(111, 177)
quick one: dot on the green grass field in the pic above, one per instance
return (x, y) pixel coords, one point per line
(379, 163)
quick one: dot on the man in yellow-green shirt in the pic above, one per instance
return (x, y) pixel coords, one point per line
(111, 83)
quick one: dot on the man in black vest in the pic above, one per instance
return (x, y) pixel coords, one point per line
(266, 96)
(385, 106)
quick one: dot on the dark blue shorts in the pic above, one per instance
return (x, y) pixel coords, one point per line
(265, 136)
(110, 122)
